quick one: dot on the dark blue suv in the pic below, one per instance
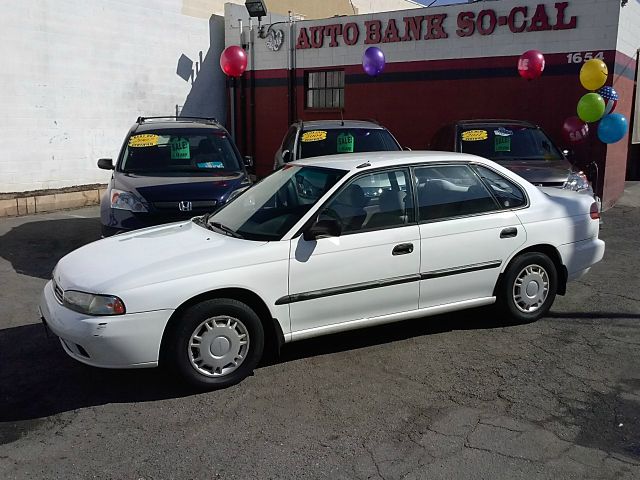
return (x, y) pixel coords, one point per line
(171, 169)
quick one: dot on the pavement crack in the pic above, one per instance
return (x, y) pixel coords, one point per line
(373, 459)
(488, 450)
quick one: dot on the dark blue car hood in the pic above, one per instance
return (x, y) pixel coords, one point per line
(161, 188)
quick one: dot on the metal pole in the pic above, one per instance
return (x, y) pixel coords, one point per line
(233, 108)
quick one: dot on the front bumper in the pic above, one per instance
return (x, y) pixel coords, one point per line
(119, 341)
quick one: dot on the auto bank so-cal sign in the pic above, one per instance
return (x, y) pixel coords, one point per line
(438, 26)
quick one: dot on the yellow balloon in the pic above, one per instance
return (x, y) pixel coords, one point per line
(593, 74)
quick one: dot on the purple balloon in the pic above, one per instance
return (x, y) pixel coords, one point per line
(373, 61)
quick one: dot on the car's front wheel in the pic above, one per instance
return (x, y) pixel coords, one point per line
(528, 287)
(216, 343)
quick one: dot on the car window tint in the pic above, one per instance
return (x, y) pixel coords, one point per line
(179, 150)
(451, 191)
(319, 142)
(373, 201)
(506, 142)
(267, 210)
(509, 195)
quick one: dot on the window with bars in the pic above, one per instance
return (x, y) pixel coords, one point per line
(325, 89)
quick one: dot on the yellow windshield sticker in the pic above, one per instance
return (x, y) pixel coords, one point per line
(144, 140)
(474, 135)
(314, 136)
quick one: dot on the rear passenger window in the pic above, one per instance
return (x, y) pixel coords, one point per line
(509, 195)
(451, 191)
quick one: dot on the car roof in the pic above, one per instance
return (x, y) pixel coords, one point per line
(147, 124)
(331, 124)
(370, 160)
(495, 121)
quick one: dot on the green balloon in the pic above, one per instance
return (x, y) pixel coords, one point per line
(591, 107)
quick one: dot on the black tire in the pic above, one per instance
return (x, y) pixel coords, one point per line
(229, 317)
(542, 268)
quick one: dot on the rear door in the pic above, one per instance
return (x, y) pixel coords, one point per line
(467, 233)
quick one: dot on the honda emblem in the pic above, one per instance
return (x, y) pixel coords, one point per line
(185, 206)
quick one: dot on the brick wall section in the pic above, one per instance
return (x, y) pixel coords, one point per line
(413, 108)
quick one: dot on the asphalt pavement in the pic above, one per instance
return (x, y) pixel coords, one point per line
(459, 396)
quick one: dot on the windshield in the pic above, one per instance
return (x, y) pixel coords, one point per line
(507, 143)
(180, 150)
(270, 208)
(316, 143)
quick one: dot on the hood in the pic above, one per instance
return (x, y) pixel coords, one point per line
(172, 188)
(540, 172)
(151, 255)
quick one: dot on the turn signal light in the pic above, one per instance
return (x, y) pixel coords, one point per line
(594, 211)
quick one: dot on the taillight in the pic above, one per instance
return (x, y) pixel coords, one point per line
(594, 212)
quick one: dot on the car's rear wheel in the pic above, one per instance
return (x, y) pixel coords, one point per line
(216, 343)
(528, 287)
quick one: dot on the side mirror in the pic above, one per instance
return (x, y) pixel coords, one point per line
(248, 161)
(286, 156)
(105, 164)
(323, 227)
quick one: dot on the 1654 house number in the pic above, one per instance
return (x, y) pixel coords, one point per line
(581, 57)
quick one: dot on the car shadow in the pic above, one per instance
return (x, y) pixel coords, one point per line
(39, 380)
(34, 248)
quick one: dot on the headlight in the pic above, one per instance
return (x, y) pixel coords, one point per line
(91, 304)
(126, 201)
(577, 182)
(237, 192)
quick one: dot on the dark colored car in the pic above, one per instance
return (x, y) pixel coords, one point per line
(331, 137)
(519, 146)
(170, 169)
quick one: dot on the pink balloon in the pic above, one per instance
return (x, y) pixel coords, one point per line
(233, 61)
(531, 64)
(575, 130)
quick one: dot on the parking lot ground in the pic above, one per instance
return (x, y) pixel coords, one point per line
(454, 396)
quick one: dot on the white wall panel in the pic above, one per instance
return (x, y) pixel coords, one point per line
(76, 73)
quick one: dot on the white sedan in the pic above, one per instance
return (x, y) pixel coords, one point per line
(321, 246)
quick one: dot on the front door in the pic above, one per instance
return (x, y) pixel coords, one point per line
(371, 269)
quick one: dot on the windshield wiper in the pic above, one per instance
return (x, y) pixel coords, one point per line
(229, 231)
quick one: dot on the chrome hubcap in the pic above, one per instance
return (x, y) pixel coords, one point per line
(531, 288)
(218, 346)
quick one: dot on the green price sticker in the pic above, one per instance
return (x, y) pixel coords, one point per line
(179, 148)
(345, 143)
(502, 144)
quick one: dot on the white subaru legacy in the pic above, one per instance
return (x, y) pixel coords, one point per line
(321, 246)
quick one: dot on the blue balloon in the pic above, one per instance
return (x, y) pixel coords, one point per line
(612, 128)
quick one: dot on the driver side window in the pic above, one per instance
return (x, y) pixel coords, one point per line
(373, 201)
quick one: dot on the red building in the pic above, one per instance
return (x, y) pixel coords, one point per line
(443, 64)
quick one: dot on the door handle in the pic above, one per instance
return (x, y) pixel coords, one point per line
(509, 232)
(402, 249)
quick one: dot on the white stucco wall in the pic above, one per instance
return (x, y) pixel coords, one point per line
(371, 6)
(629, 31)
(76, 73)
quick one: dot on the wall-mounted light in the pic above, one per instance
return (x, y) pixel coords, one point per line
(256, 8)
